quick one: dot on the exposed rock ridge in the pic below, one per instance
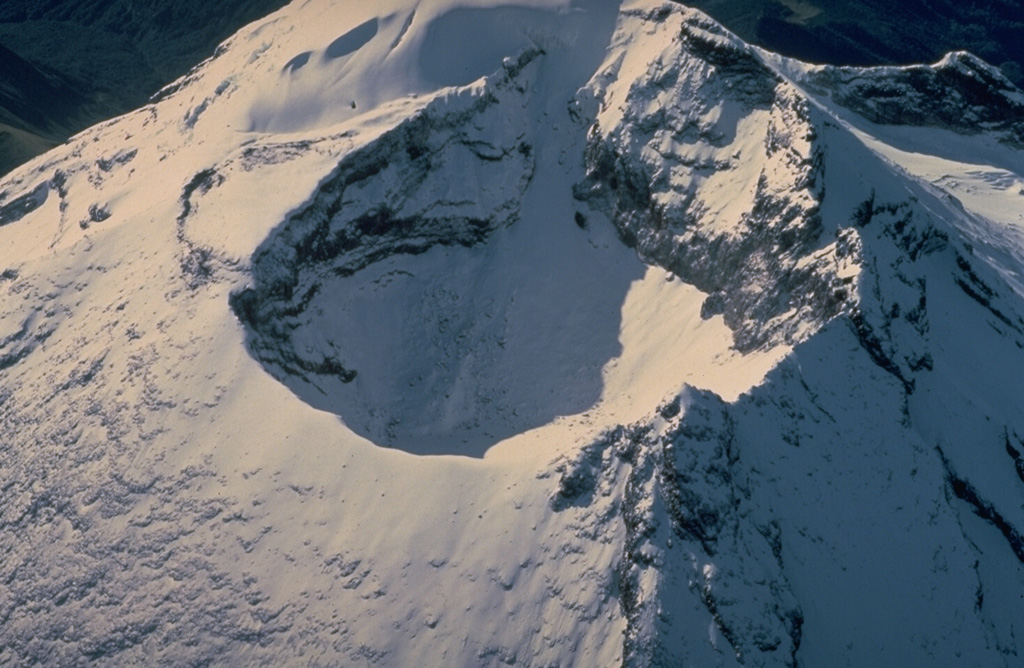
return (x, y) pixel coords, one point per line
(691, 552)
(961, 93)
(394, 196)
(657, 161)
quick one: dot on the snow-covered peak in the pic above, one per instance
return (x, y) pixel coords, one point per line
(349, 58)
(533, 333)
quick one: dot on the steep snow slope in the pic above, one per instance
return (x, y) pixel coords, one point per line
(555, 333)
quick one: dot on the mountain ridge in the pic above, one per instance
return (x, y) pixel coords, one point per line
(639, 353)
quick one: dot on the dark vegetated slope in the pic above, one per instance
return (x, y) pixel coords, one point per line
(170, 37)
(37, 109)
(877, 32)
(101, 58)
(26, 89)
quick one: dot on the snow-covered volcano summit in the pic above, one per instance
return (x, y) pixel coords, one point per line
(539, 334)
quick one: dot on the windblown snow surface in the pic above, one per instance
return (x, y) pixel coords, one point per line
(542, 333)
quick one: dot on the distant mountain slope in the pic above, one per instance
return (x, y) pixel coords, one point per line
(878, 32)
(105, 58)
(37, 109)
(25, 90)
(152, 41)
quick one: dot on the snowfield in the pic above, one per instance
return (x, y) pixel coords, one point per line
(546, 333)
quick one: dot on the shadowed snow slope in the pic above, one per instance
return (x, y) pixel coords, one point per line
(539, 333)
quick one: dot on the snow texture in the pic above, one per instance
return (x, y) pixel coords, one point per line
(541, 334)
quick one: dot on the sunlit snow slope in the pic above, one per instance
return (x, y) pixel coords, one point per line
(542, 334)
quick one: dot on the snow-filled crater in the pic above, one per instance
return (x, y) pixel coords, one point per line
(442, 291)
(453, 350)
